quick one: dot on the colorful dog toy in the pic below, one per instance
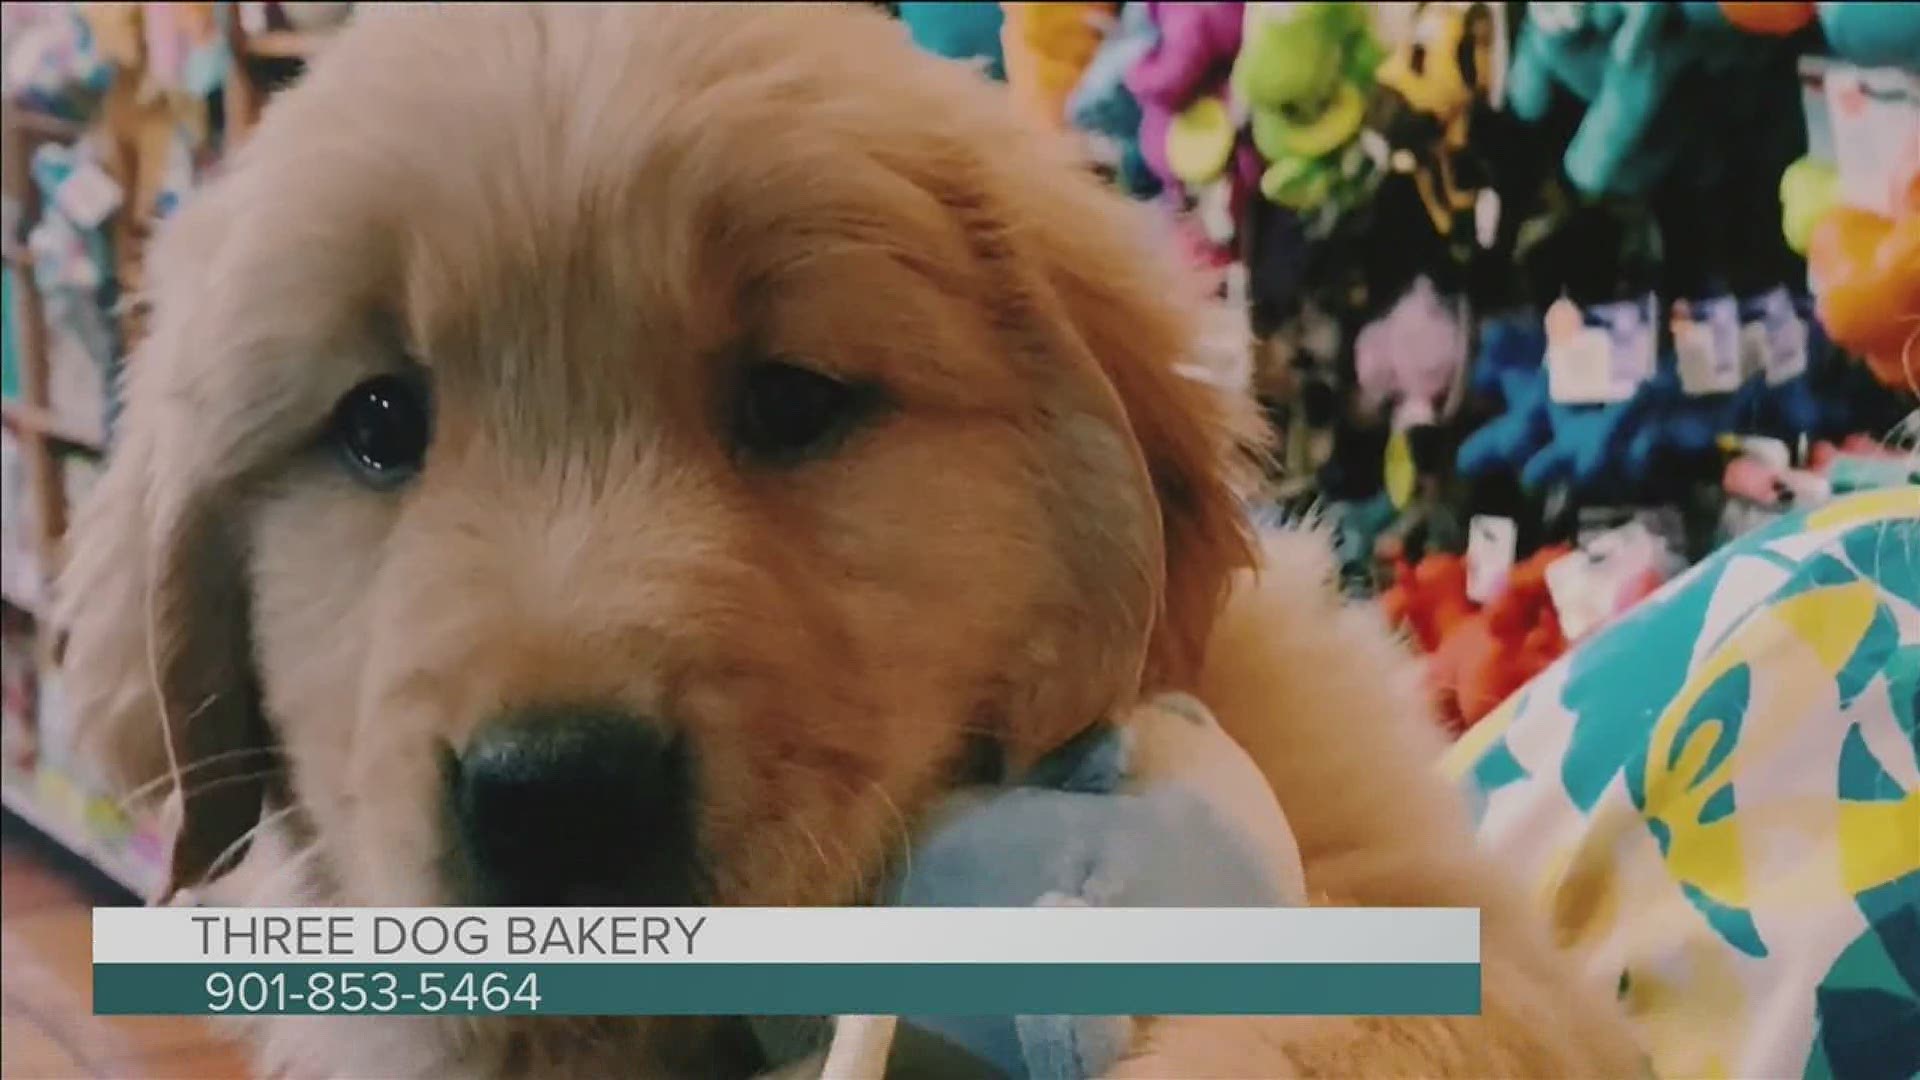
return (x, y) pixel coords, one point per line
(1413, 356)
(1048, 48)
(1163, 810)
(1493, 652)
(958, 31)
(1304, 73)
(1425, 95)
(1866, 273)
(1186, 133)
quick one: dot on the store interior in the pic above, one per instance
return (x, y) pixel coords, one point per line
(1545, 304)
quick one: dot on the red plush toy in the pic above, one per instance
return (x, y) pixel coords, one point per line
(1428, 598)
(1488, 656)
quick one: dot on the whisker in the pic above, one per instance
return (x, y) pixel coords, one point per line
(218, 782)
(241, 841)
(141, 790)
(900, 823)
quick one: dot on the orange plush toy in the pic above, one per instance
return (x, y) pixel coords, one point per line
(1048, 48)
(1866, 274)
(1772, 19)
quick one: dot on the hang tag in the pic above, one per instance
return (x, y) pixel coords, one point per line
(1813, 106)
(1599, 354)
(1773, 337)
(1753, 349)
(1590, 585)
(1787, 347)
(1486, 218)
(1707, 345)
(88, 196)
(1576, 595)
(1875, 118)
(1491, 543)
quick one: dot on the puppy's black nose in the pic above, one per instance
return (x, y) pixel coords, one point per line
(575, 806)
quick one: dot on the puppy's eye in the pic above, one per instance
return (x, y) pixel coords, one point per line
(381, 428)
(786, 412)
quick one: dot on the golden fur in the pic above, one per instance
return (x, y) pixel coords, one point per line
(581, 221)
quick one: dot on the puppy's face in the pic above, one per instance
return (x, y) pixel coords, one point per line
(639, 456)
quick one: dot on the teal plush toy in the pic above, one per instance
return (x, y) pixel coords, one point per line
(958, 31)
(1103, 105)
(1625, 61)
(1873, 35)
(1162, 810)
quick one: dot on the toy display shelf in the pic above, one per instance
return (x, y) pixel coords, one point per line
(129, 851)
(43, 795)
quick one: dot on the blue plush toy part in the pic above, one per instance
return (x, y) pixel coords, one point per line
(1100, 824)
(1508, 370)
(1102, 105)
(1800, 391)
(958, 31)
(1587, 445)
(1677, 426)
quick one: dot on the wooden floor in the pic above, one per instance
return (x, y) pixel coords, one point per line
(47, 1026)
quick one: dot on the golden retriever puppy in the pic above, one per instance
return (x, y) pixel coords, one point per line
(642, 456)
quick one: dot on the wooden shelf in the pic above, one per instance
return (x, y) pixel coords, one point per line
(34, 419)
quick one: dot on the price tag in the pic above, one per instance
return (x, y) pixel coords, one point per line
(1707, 345)
(1491, 542)
(1773, 337)
(1599, 354)
(1486, 218)
(1813, 106)
(87, 196)
(1588, 585)
(1875, 118)
(1577, 600)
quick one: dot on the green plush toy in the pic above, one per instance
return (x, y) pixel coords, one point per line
(1303, 72)
(1808, 189)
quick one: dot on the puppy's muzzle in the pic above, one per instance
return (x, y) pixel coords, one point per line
(573, 806)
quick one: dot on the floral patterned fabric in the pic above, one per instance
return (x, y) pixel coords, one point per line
(1718, 799)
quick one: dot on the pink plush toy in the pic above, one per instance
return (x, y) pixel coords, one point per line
(1193, 57)
(1413, 356)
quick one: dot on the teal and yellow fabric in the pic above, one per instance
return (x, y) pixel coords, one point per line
(1718, 799)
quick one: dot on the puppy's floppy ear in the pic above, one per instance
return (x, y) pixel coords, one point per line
(1138, 318)
(1148, 459)
(1099, 284)
(154, 608)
